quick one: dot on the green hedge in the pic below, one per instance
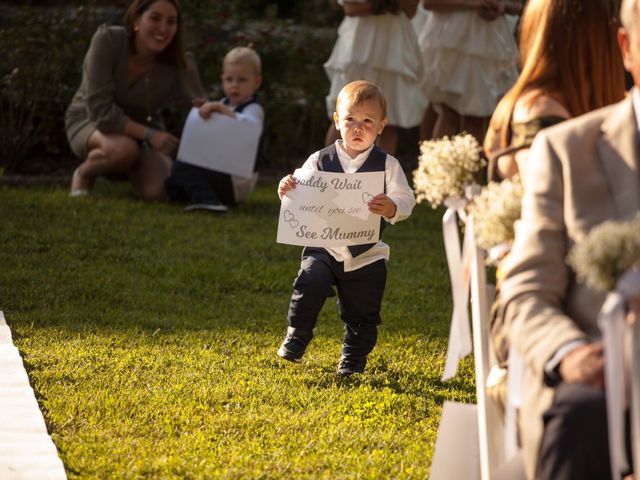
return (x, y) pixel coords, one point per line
(43, 49)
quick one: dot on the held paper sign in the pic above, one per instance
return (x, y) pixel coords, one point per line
(330, 209)
(221, 143)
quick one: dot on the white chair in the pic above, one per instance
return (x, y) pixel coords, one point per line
(619, 320)
(477, 431)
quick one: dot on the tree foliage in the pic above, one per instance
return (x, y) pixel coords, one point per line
(43, 49)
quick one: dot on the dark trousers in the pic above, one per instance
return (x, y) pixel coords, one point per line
(574, 442)
(197, 185)
(359, 298)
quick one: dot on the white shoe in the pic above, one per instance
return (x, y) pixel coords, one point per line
(211, 207)
(77, 187)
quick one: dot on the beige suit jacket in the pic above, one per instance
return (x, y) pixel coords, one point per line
(581, 172)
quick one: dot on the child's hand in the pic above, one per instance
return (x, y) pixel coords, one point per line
(513, 7)
(207, 108)
(491, 5)
(489, 15)
(382, 205)
(286, 184)
(163, 142)
(491, 9)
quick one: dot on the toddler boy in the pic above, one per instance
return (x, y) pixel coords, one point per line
(208, 189)
(358, 272)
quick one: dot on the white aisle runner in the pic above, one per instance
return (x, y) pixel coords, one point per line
(26, 449)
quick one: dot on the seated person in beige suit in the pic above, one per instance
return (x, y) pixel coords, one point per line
(580, 173)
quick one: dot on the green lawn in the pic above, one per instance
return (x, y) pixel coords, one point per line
(150, 335)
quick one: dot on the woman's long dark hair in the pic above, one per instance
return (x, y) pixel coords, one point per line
(174, 53)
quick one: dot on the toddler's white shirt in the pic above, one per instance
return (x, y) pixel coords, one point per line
(242, 187)
(252, 113)
(398, 190)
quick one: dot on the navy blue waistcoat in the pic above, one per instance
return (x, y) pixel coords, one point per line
(242, 106)
(328, 161)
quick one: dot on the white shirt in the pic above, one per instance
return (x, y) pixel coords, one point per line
(242, 187)
(398, 191)
(252, 113)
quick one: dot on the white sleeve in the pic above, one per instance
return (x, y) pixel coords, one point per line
(398, 190)
(252, 113)
(312, 162)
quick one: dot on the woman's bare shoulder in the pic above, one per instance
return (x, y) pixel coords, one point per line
(536, 103)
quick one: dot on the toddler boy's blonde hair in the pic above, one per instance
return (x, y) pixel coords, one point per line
(361, 91)
(244, 55)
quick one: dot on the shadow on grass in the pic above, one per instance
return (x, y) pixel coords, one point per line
(419, 383)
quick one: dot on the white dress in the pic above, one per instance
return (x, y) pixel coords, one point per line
(382, 49)
(469, 63)
(419, 20)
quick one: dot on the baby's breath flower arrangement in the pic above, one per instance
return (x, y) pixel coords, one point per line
(445, 167)
(608, 251)
(495, 211)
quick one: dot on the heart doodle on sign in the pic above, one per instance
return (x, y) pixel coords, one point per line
(366, 197)
(290, 219)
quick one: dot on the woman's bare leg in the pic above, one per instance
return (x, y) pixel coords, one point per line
(108, 153)
(476, 126)
(429, 120)
(448, 122)
(148, 176)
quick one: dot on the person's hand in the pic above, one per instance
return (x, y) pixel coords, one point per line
(197, 102)
(491, 9)
(409, 7)
(163, 142)
(513, 7)
(382, 205)
(584, 364)
(207, 108)
(487, 4)
(286, 184)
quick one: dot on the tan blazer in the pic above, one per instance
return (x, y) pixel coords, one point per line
(580, 173)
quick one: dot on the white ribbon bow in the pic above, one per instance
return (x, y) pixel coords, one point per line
(458, 261)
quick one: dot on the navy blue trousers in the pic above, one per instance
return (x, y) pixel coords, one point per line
(193, 184)
(359, 297)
